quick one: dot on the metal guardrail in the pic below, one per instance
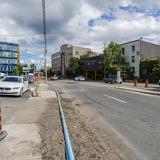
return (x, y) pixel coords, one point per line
(69, 150)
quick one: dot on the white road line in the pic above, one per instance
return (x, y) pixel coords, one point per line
(115, 98)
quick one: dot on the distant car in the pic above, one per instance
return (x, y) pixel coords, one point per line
(79, 78)
(112, 79)
(59, 77)
(30, 79)
(54, 78)
(13, 85)
(43, 77)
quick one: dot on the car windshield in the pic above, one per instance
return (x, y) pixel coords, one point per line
(12, 79)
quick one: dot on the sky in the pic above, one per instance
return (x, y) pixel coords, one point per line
(86, 23)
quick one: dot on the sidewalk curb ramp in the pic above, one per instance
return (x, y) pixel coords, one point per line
(139, 90)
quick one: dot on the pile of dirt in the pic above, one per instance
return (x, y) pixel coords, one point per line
(52, 146)
(88, 144)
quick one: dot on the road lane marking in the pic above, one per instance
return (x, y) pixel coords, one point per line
(115, 98)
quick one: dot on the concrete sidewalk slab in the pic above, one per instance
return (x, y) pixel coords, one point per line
(22, 143)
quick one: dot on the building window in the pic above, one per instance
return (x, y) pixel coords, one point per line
(123, 51)
(133, 48)
(133, 59)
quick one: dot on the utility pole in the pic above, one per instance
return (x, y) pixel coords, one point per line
(104, 64)
(45, 39)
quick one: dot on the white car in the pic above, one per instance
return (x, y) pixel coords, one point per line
(13, 85)
(79, 78)
(54, 78)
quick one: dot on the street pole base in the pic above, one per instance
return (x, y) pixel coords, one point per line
(3, 134)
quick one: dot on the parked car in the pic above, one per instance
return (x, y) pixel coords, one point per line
(54, 78)
(79, 78)
(112, 79)
(13, 85)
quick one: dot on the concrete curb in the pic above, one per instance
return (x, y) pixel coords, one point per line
(139, 90)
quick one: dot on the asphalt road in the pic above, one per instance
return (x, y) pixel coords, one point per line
(134, 117)
(10, 104)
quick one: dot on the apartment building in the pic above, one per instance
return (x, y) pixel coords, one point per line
(56, 62)
(9, 56)
(139, 50)
(60, 60)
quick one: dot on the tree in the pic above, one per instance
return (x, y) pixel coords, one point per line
(114, 60)
(150, 69)
(73, 68)
(18, 69)
(33, 67)
(50, 72)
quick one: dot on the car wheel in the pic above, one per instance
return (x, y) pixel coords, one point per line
(21, 93)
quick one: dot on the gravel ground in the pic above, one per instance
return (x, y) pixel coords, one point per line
(52, 146)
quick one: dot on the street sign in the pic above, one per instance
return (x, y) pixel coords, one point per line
(26, 69)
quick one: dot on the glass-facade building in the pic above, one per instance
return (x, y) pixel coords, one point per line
(9, 56)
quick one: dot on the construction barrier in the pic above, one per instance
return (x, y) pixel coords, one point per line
(135, 82)
(3, 134)
(146, 83)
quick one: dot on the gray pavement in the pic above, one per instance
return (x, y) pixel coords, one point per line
(10, 104)
(133, 117)
(21, 116)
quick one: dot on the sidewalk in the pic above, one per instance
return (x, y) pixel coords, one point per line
(24, 140)
(151, 89)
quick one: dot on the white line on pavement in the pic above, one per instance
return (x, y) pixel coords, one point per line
(115, 98)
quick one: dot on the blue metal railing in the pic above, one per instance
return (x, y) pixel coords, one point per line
(69, 150)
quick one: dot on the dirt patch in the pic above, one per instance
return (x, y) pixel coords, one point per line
(52, 146)
(88, 144)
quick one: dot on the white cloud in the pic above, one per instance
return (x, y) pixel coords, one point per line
(67, 22)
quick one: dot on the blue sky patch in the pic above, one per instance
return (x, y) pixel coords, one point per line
(132, 9)
(148, 12)
(154, 13)
(107, 17)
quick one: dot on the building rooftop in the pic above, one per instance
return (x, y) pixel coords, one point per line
(9, 43)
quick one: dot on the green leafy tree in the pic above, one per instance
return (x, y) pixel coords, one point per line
(18, 69)
(33, 67)
(114, 60)
(150, 69)
(73, 68)
(50, 72)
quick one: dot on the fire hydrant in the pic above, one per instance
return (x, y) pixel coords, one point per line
(146, 83)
